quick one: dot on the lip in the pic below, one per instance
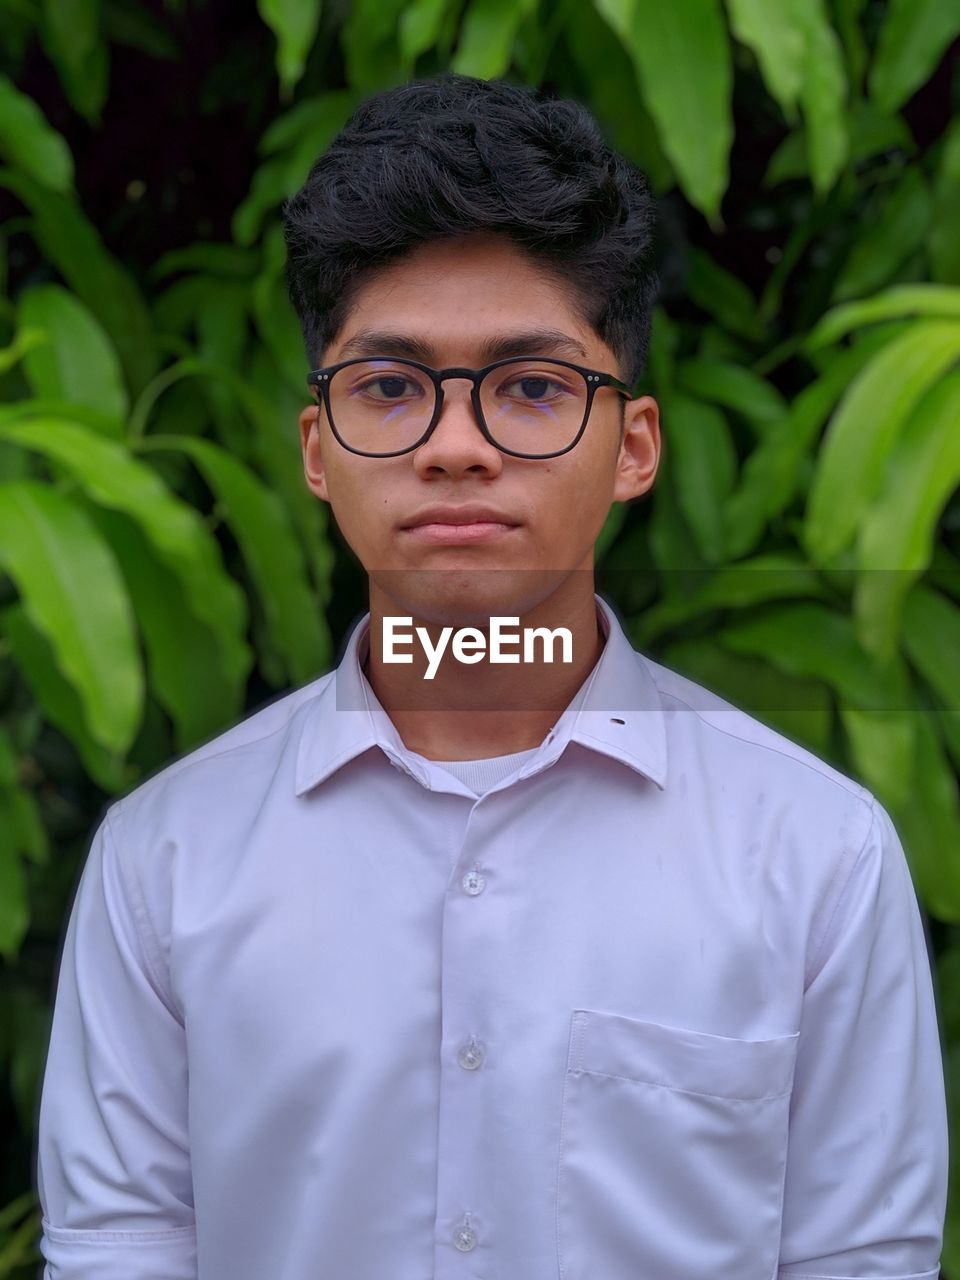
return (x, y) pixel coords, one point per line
(459, 534)
(468, 514)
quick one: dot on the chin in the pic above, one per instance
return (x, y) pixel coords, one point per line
(465, 595)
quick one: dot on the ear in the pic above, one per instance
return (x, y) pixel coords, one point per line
(639, 455)
(311, 447)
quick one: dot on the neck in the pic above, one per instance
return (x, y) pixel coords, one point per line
(473, 712)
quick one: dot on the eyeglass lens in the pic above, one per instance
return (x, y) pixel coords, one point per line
(528, 406)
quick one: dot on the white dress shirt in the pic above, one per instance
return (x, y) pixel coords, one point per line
(657, 1005)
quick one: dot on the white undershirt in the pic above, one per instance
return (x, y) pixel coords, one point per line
(481, 775)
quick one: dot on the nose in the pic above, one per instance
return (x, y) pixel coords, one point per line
(456, 443)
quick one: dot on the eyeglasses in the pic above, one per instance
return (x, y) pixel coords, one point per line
(534, 407)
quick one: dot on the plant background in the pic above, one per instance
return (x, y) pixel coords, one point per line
(163, 568)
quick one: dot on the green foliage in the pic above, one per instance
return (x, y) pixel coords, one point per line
(164, 567)
(683, 61)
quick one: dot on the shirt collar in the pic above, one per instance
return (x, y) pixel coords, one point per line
(616, 711)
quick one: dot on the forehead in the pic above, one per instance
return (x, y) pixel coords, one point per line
(465, 294)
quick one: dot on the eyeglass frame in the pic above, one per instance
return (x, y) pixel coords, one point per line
(594, 378)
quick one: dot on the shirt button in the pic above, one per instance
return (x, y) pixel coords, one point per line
(465, 1238)
(471, 1055)
(473, 883)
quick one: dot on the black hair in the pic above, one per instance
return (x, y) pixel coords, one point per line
(451, 155)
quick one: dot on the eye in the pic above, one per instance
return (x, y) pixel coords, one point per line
(389, 386)
(534, 387)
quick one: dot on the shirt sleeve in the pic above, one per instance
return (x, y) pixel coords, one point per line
(113, 1163)
(866, 1177)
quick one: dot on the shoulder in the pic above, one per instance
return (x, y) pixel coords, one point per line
(747, 757)
(227, 767)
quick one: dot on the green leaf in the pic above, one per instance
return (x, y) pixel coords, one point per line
(368, 41)
(865, 427)
(928, 821)
(810, 640)
(943, 243)
(59, 701)
(912, 41)
(486, 40)
(278, 456)
(28, 829)
(74, 247)
(29, 144)
(871, 133)
(175, 309)
(721, 294)
(282, 174)
(947, 978)
(273, 313)
(22, 815)
(766, 577)
(318, 118)
(31, 1038)
(732, 386)
(824, 98)
(200, 697)
(705, 468)
(662, 353)
(78, 363)
(222, 332)
(111, 476)
(673, 547)
(71, 37)
(930, 300)
(137, 28)
(14, 906)
(611, 527)
(948, 725)
(614, 97)
(883, 748)
(778, 37)
(897, 532)
(70, 410)
(772, 474)
(789, 160)
(270, 186)
(25, 341)
(931, 640)
(621, 16)
(890, 237)
(801, 709)
(270, 406)
(945, 571)
(420, 25)
(227, 261)
(685, 68)
(294, 23)
(272, 554)
(73, 592)
(848, 17)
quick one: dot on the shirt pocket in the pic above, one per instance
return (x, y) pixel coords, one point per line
(673, 1147)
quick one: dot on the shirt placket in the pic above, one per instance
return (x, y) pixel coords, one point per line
(466, 1226)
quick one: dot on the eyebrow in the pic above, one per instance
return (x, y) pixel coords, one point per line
(531, 342)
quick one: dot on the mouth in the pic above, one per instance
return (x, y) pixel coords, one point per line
(463, 534)
(463, 524)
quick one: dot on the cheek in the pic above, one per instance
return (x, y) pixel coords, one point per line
(359, 504)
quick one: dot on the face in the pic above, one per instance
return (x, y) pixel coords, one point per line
(454, 297)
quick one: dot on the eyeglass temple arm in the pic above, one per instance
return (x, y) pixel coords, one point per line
(630, 392)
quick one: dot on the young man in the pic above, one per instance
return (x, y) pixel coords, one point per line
(533, 970)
